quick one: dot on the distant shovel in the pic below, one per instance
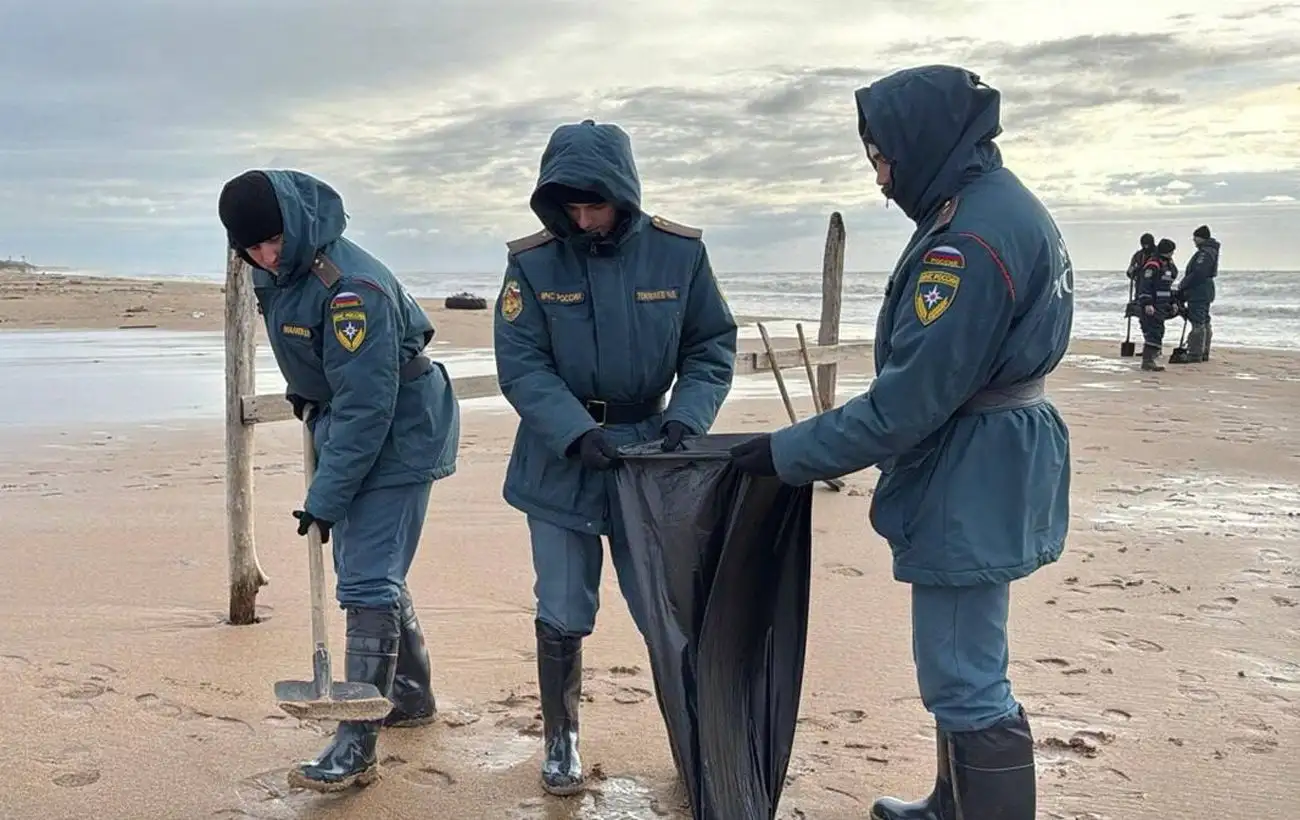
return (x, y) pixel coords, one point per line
(322, 697)
(1179, 354)
(1127, 348)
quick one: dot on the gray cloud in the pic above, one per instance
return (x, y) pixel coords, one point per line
(122, 121)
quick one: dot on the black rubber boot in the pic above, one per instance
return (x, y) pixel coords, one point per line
(349, 760)
(938, 806)
(993, 772)
(1149, 355)
(559, 676)
(413, 701)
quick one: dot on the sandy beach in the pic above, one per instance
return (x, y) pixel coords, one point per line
(1159, 659)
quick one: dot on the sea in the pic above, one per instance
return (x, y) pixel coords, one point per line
(151, 376)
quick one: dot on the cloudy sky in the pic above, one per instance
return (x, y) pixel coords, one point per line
(121, 119)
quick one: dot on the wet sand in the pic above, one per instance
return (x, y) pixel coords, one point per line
(1158, 658)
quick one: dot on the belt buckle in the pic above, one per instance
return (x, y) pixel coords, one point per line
(604, 411)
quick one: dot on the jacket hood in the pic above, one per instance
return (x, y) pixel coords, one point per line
(590, 157)
(935, 125)
(313, 219)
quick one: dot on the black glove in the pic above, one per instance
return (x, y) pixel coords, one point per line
(596, 452)
(674, 432)
(754, 456)
(306, 519)
(300, 406)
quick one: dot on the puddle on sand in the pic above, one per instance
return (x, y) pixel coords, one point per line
(616, 798)
(1091, 387)
(1215, 504)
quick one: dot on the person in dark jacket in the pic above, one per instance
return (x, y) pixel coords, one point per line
(974, 459)
(1146, 250)
(1197, 292)
(349, 341)
(600, 313)
(1156, 301)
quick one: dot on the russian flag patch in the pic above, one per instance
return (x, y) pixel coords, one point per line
(344, 300)
(944, 256)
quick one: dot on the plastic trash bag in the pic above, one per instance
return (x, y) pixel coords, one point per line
(723, 563)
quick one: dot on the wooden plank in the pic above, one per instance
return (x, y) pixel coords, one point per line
(828, 334)
(750, 363)
(270, 407)
(246, 575)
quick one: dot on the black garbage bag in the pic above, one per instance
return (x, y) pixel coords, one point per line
(724, 563)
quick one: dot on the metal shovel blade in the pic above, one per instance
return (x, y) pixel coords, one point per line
(345, 700)
(1127, 349)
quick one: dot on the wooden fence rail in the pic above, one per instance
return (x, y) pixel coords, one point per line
(245, 408)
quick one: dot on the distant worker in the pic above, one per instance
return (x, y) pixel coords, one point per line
(599, 313)
(1197, 292)
(1156, 304)
(1146, 250)
(349, 341)
(974, 458)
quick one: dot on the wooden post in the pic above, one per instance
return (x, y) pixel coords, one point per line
(832, 293)
(246, 575)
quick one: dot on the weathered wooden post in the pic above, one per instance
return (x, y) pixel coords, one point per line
(246, 575)
(828, 334)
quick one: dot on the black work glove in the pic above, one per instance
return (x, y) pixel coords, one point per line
(674, 432)
(300, 407)
(306, 519)
(596, 452)
(754, 456)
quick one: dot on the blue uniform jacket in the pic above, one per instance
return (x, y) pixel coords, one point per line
(1156, 285)
(341, 326)
(980, 301)
(1198, 280)
(615, 321)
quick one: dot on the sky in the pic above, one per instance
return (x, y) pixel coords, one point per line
(121, 119)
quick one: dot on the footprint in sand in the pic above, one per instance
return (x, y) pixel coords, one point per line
(1199, 694)
(1122, 639)
(74, 766)
(628, 695)
(201, 725)
(290, 723)
(1225, 604)
(419, 774)
(846, 571)
(850, 715)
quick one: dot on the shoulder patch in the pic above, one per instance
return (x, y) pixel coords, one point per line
(512, 300)
(935, 290)
(345, 299)
(945, 256)
(676, 228)
(326, 271)
(527, 243)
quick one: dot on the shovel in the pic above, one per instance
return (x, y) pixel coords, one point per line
(1128, 348)
(1179, 354)
(322, 697)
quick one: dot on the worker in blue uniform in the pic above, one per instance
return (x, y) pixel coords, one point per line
(974, 459)
(600, 313)
(349, 341)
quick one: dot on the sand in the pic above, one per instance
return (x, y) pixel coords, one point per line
(1158, 658)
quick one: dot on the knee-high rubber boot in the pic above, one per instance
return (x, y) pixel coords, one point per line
(559, 677)
(1196, 344)
(938, 806)
(413, 700)
(349, 760)
(1209, 337)
(1149, 354)
(993, 772)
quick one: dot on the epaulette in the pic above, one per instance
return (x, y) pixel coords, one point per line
(946, 213)
(668, 226)
(527, 243)
(326, 271)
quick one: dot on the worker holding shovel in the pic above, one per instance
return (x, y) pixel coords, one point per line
(383, 426)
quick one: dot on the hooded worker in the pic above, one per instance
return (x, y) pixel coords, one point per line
(349, 341)
(974, 459)
(600, 313)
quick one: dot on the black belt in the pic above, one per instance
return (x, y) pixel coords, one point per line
(415, 368)
(1011, 397)
(608, 412)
